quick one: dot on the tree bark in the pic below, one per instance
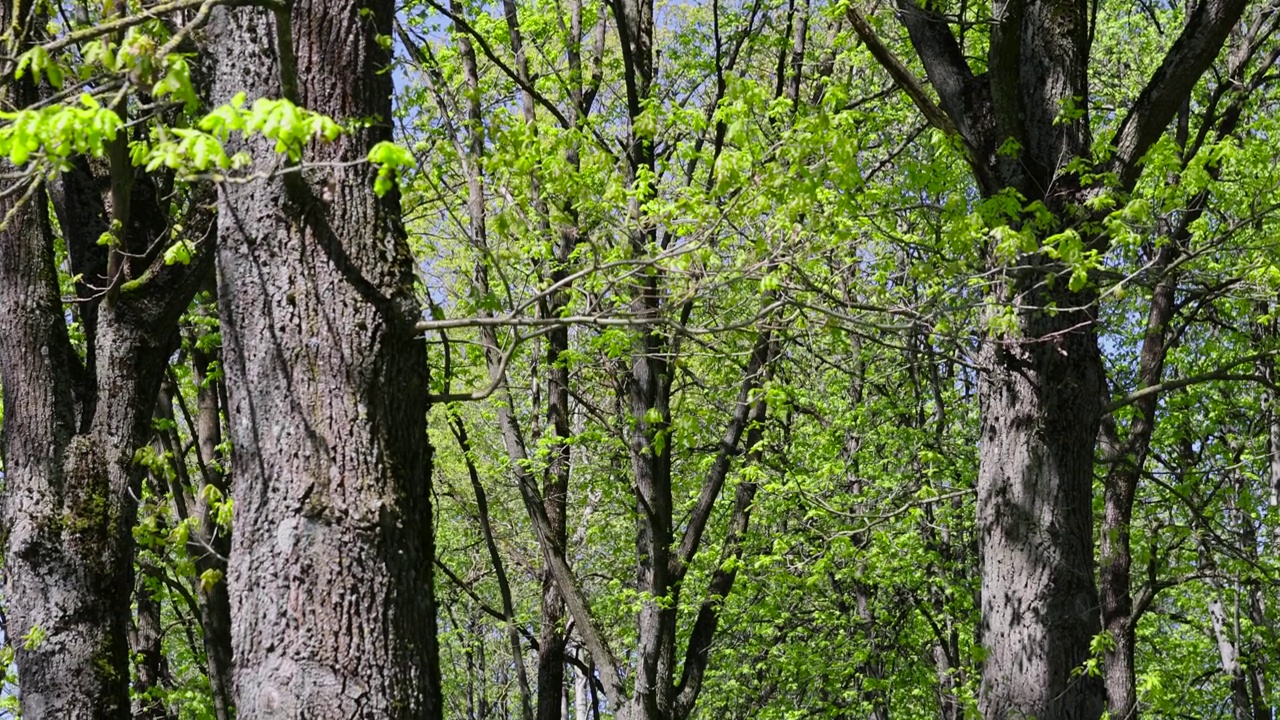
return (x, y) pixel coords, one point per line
(1039, 606)
(1119, 618)
(331, 566)
(71, 430)
(68, 568)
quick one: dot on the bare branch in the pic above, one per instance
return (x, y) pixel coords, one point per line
(899, 72)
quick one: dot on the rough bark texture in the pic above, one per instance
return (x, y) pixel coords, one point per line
(70, 476)
(1041, 408)
(71, 430)
(331, 570)
(1041, 382)
(67, 563)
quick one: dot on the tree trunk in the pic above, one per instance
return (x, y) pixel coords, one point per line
(331, 565)
(70, 433)
(69, 641)
(68, 568)
(69, 490)
(150, 663)
(211, 545)
(1041, 404)
(70, 475)
(1022, 122)
(1119, 617)
(581, 694)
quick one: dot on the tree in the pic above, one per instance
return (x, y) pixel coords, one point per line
(742, 348)
(1024, 122)
(73, 421)
(327, 386)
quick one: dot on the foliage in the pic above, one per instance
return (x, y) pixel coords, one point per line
(793, 199)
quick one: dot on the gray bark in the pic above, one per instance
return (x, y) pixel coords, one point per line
(71, 429)
(1040, 403)
(331, 566)
(67, 564)
(70, 476)
(580, 694)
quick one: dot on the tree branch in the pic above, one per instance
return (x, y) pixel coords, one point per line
(1192, 53)
(698, 649)
(1222, 373)
(744, 411)
(128, 21)
(902, 77)
(947, 72)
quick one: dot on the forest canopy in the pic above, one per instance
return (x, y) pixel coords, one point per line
(569, 360)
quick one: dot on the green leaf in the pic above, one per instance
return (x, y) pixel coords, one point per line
(178, 252)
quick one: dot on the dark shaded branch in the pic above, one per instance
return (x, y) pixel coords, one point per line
(947, 72)
(901, 75)
(698, 650)
(495, 559)
(1191, 54)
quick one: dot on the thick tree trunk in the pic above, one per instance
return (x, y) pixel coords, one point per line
(70, 642)
(67, 566)
(1023, 121)
(69, 496)
(331, 566)
(70, 433)
(1041, 404)
(69, 491)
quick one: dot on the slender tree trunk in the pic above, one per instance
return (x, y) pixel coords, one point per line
(1226, 637)
(197, 497)
(1272, 400)
(211, 544)
(581, 695)
(495, 560)
(331, 566)
(1119, 618)
(151, 666)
